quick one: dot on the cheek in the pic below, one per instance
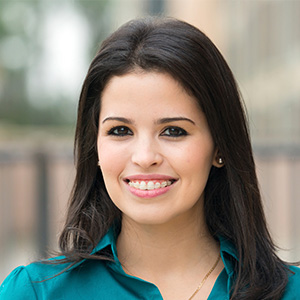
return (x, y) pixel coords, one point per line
(111, 158)
(196, 157)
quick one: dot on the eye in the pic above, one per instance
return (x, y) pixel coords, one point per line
(174, 131)
(120, 131)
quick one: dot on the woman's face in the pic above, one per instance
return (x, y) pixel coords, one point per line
(155, 148)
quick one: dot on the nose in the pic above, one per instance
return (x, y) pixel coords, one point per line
(146, 153)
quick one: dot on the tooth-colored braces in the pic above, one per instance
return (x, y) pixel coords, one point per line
(150, 185)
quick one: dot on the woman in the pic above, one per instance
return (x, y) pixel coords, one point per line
(165, 203)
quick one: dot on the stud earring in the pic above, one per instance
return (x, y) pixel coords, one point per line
(98, 163)
(220, 161)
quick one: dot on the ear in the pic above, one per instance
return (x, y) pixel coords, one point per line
(218, 160)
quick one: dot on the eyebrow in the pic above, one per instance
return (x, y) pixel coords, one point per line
(159, 121)
(169, 120)
(120, 119)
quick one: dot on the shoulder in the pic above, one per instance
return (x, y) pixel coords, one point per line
(292, 288)
(44, 280)
(21, 283)
(30, 282)
(17, 285)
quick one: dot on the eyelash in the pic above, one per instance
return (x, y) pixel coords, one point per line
(174, 131)
(124, 128)
(177, 130)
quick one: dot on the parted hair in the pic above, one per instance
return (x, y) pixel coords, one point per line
(233, 206)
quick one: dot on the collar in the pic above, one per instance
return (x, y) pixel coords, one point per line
(228, 254)
(109, 239)
(227, 250)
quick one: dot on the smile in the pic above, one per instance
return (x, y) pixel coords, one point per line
(150, 185)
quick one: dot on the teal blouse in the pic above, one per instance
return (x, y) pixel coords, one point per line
(103, 280)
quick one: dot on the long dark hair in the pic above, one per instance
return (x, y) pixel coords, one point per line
(233, 206)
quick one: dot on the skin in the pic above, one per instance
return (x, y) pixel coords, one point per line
(149, 126)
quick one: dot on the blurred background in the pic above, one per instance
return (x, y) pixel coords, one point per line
(45, 50)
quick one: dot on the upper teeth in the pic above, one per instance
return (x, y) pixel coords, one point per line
(150, 185)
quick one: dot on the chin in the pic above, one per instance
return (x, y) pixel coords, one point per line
(153, 218)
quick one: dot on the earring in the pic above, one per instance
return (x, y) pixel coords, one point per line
(98, 163)
(220, 161)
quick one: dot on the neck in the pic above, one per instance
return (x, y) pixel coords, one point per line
(148, 250)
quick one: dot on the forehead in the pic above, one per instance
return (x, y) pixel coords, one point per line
(148, 92)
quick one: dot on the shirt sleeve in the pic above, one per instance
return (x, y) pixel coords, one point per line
(18, 286)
